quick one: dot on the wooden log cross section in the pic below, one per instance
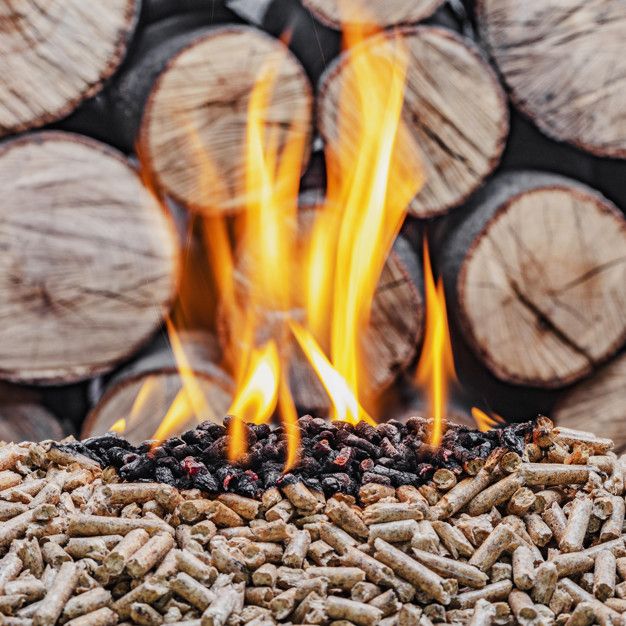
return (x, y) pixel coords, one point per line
(536, 276)
(89, 259)
(193, 131)
(565, 66)
(57, 53)
(454, 107)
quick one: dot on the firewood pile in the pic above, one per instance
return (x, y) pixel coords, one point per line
(530, 538)
(523, 204)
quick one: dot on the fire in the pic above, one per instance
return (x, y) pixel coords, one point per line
(486, 422)
(277, 296)
(435, 370)
(118, 427)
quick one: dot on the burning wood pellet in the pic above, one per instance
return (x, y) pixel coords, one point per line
(111, 541)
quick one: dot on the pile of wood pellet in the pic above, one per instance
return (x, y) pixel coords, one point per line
(536, 539)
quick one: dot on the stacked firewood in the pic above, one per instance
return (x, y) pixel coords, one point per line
(532, 262)
(530, 539)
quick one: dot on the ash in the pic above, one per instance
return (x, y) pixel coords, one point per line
(337, 457)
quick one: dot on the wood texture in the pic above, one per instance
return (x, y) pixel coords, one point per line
(197, 114)
(564, 64)
(598, 403)
(453, 105)
(383, 13)
(143, 391)
(538, 274)
(56, 53)
(89, 259)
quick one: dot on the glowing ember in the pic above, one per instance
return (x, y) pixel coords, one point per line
(435, 370)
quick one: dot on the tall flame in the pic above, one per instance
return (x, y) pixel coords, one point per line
(372, 180)
(435, 370)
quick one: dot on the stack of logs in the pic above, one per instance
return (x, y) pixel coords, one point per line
(536, 539)
(533, 261)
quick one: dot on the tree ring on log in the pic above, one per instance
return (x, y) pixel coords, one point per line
(542, 290)
(382, 13)
(193, 132)
(454, 107)
(142, 392)
(90, 259)
(56, 53)
(565, 67)
(601, 395)
(388, 346)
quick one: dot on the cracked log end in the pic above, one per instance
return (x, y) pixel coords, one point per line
(564, 65)
(55, 54)
(193, 131)
(336, 13)
(540, 266)
(598, 402)
(89, 259)
(454, 107)
(144, 390)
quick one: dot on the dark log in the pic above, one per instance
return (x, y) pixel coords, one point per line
(47, 70)
(89, 263)
(564, 65)
(181, 132)
(453, 105)
(536, 277)
(142, 392)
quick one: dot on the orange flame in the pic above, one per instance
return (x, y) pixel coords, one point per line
(435, 369)
(371, 182)
(118, 427)
(486, 422)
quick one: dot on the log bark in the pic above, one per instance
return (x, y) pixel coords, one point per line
(395, 331)
(89, 263)
(598, 403)
(536, 273)
(143, 391)
(57, 53)
(24, 418)
(564, 65)
(185, 129)
(379, 13)
(453, 105)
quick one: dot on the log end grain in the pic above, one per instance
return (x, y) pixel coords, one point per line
(564, 66)
(65, 50)
(90, 259)
(454, 108)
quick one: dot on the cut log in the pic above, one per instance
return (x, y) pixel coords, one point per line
(54, 54)
(453, 105)
(24, 418)
(142, 392)
(564, 65)
(114, 115)
(536, 273)
(89, 262)
(598, 403)
(193, 125)
(394, 334)
(380, 13)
